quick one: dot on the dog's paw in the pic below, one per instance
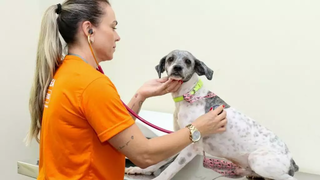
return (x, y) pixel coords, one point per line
(137, 171)
(138, 177)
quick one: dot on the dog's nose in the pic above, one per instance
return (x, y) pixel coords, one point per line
(177, 68)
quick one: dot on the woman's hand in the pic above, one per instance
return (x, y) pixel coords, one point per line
(212, 122)
(157, 87)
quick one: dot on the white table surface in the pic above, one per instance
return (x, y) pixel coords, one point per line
(192, 171)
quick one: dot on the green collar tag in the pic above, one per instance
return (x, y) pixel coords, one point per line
(192, 92)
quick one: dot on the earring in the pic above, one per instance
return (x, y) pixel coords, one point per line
(89, 39)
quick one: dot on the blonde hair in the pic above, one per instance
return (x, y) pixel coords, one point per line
(50, 50)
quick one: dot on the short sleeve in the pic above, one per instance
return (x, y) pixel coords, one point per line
(103, 109)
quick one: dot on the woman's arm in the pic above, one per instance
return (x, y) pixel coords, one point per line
(136, 103)
(145, 152)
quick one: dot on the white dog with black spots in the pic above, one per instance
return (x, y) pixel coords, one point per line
(255, 149)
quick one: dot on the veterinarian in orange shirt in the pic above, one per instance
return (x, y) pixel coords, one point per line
(86, 131)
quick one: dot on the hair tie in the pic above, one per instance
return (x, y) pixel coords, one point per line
(59, 8)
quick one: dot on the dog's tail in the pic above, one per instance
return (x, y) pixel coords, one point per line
(293, 168)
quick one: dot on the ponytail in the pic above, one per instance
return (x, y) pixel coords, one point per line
(49, 55)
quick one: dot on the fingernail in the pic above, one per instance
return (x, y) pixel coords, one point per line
(211, 108)
(223, 106)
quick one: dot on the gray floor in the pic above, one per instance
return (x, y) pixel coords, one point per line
(195, 171)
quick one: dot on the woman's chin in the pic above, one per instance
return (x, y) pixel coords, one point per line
(106, 58)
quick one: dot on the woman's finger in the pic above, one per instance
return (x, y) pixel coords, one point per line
(165, 85)
(162, 80)
(222, 123)
(218, 110)
(222, 115)
(172, 86)
(176, 87)
(222, 129)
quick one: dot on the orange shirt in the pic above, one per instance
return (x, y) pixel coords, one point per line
(82, 112)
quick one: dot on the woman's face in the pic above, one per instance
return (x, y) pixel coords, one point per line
(105, 36)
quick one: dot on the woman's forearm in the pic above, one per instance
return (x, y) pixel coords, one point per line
(136, 103)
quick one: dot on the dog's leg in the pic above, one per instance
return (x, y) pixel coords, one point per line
(284, 177)
(176, 126)
(269, 164)
(225, 168)
(151, 170)
(184, 157)
(138, 177)
(147, 171)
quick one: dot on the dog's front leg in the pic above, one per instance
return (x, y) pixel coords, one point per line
(176, 126)
(184, 157)
(151, 170)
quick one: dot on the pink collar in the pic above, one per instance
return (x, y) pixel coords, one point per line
(191, 98)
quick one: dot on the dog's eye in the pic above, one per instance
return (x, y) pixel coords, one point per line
(170, 59)
(188, 61)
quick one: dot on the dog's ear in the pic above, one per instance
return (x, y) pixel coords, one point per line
(201, 69)
(160, 66)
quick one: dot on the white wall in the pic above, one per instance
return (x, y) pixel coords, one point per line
(278, 40)
(265, 55)
(19, 30)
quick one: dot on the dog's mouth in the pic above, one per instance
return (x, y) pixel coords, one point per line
(176, 76)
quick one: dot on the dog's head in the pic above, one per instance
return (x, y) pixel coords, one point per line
(181, 65)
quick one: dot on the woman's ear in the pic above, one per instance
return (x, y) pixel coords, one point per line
(87, 29)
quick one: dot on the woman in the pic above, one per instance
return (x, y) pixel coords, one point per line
(86, 132)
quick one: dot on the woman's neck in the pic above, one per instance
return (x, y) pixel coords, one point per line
(84, 53)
